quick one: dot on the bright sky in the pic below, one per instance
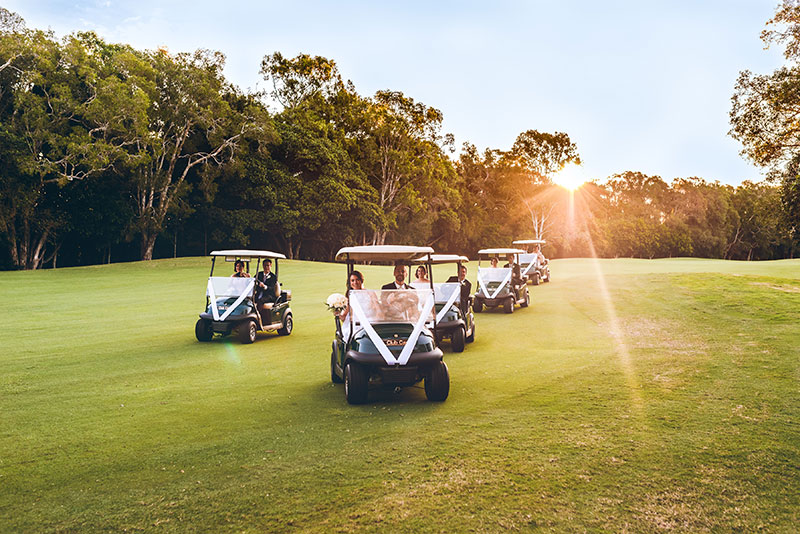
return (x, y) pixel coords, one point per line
(639, 85)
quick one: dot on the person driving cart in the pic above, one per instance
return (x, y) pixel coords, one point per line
(267, 288)
(516, 274)
(466, 287)
(399, 279)
(538, 252)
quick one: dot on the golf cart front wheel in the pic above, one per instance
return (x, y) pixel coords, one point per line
(288, 324)
(536, 278)
(202, 330)
(471, 336)
(527, 300)
(356, 382)
(458, 339)
(247, 332)
(437, 382)
(477, 306)
(508, 305)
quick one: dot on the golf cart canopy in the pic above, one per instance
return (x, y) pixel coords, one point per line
(233, 255)
(382, 253)
(529, 242)
(437, 259)
(500, 251)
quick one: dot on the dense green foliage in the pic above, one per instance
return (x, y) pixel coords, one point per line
(112, 153)
(660, 396)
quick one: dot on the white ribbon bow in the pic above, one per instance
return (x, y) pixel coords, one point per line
(482, 285)
(233, 306)
(387, 355)
(450, 301)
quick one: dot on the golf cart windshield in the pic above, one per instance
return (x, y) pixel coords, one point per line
(443, 292)
(227, 286)
(490, 274)
(389, 306)
(527, 259)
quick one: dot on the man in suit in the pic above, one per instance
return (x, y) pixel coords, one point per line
(267, 289)
(466, 287)
(399, 279)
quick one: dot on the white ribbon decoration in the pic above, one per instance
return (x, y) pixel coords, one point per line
(213, 297)
(497, 291)
(405, 354)
(387, 355)
(447, 306)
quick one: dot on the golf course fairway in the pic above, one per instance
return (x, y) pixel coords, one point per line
(632, 396)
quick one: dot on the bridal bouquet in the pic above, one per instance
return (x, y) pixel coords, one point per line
(336, 303)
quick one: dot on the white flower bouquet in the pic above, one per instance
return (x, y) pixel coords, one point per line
(336, 303)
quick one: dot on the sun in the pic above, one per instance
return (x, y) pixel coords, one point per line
(570, 177)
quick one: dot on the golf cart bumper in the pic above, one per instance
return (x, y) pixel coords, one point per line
(493, 303)
(375, 360)
(397, 375)
(226, 326)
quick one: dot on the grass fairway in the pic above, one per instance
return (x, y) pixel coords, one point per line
(641, 396)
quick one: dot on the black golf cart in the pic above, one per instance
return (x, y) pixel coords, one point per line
(533, 270)
(387, 337)
(231, 301)
(454, 318)
(500, 286)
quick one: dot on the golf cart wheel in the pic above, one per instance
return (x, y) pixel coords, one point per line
(477, 306)
(437, 382)
(458, 340)
(247, 332)
(356, 381)
(536, 278)
(288, 324)
(202, 330)
(471, 337)
(334, 377)
(508, 305)
(548, 277)
(527, 299)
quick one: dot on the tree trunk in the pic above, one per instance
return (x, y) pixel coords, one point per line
(148, 243)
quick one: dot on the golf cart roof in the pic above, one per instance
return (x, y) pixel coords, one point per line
(493, 251)
(232, 255)
(437, 259)
(529, 242)
(381, 253)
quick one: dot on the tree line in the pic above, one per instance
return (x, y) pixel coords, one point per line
(109, 153)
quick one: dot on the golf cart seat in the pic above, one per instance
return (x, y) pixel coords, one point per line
(285, 296)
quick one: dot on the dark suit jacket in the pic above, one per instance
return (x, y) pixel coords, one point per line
(268, 294)
(466, 291)
(391, 285)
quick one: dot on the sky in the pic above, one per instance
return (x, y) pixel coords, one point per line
(639, 85)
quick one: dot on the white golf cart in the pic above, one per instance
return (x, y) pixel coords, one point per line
(454, 318)
(231, 301)
(500, 286)
(533, 270)
(387, 336)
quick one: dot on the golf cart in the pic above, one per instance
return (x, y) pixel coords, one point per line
(498, 286)
(230, 301)
(532, 269)
(454, 318)
(387, 337)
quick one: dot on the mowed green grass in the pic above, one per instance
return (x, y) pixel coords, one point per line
(639, 396)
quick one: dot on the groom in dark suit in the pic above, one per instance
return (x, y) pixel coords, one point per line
(266, 286)
(399, 278)
(466, 287)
